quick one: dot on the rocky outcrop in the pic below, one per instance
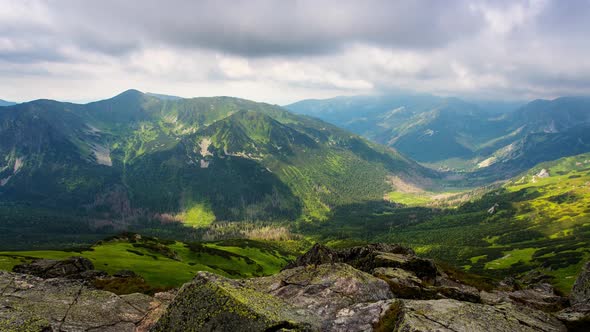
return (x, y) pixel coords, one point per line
(327, 297)
(214, 303)
(29, 303)
(581, 290)
(73, 267)
(577, 317)
(369, 257)
(541, 297)
(376, 287)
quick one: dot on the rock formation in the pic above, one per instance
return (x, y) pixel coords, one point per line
(29, 303)
(376, 287)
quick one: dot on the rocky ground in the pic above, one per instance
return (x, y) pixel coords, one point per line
(377, 287)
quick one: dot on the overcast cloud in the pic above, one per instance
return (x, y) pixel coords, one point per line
(282, 51)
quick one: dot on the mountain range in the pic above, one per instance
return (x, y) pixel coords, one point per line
(191, 161)
(452, 134)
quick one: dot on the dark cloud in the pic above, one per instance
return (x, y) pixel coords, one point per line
(497, 48)
(258, 28)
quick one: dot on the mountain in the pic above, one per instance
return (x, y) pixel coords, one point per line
(449, 133)
(6, 103)
(426, 128)
(136, 156)
(164, 97)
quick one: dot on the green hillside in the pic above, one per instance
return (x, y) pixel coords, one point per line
(71, 169)
(537, 222)
(473, 138)
(165, 264)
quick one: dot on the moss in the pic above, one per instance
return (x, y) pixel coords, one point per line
(20, 324)
(389, 320)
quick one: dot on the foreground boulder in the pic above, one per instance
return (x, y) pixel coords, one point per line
(369, 257)
(29, 303)
(214, 303)
(329, 297)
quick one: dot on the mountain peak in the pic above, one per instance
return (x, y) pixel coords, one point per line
(129, 93)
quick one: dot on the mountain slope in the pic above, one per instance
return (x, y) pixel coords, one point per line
(539, 220)
(135, 157)
(426, 128)
(448, 133)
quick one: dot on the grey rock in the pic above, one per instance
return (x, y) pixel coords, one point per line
(326, 290)
(576, 317)
(48, 268)
(541, 297)
(30, 303)
(327, 297)
(214, 303)
(456, 316)
(581, 290)
(318, 254)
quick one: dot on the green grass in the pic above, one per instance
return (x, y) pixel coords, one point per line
(254, 258)
(510, 258)
(198, 215)
(408, 198)
(541, 224)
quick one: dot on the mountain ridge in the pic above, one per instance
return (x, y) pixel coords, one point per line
(452, 134)
(189, 161)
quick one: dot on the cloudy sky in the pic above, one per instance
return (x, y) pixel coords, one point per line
(282, 51)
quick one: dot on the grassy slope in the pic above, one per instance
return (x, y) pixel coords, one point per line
(170, 264)
(542, 224)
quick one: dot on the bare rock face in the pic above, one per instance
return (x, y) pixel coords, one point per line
(344, 298)
(543, 173)
(581, 290)
(541, 297)
(29, 303)
(455, 316)
(577, 317)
